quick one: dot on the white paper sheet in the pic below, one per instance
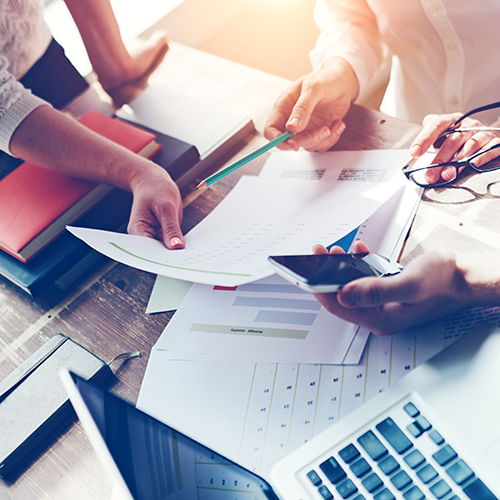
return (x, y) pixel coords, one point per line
(256, 413)
(267, 320)
(262, 216)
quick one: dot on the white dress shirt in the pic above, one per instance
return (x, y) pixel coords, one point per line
(446, 53)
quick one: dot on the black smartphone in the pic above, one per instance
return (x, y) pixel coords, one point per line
(327, 273)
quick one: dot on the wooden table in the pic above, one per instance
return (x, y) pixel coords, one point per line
(106, 312)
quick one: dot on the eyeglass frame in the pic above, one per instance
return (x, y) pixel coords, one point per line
(457, 164)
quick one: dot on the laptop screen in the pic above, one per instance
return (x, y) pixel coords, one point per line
(157, 462)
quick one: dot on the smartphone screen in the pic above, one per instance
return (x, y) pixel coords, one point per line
(327, 272)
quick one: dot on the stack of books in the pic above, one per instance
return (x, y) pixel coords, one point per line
(36, 204)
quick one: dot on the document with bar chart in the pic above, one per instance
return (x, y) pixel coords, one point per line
(268, 320)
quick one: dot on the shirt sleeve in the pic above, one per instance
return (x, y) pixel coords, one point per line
(16, 103)
(349, 30)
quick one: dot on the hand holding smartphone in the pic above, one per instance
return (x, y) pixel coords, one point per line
(326, 273)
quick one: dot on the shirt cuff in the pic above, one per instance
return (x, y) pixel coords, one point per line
(15, 114)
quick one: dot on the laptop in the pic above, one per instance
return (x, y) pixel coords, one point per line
(435, 434)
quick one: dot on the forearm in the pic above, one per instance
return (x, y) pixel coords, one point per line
(52, 140)
(349, 30)
(101, 34)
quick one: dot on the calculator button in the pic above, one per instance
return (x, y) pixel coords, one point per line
(460, 472)
(333, 471)
(440, 489)
(477, 490)
(401, 480)
(414, 459)
(372, 445)
(436, 437)
(349, 453)
(415, 430)
(411, 410)
(346, 489)
(325, 492)
(414, 494)
(427, 473)
(359, 497)
(388, 465)
(385, 494)
(372, 482)
(423, 423)
(314, 478)
(360, 467)
(394, 435)
(444, 455)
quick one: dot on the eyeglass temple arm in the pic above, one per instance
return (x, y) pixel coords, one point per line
(439, 141)
(493, 105)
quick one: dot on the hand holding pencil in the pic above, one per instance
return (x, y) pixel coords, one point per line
(243, 161)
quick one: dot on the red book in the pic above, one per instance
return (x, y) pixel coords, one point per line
(36, 204)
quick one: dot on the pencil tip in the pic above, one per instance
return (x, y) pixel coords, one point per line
(202, 184)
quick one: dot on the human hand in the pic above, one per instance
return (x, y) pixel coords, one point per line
(157, 207)
(456, 146)
(143, 57)
(431, 286)
(313, 108)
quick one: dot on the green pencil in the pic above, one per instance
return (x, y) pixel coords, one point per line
(243, 161)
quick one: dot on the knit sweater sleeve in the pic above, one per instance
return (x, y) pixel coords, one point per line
(16, 103)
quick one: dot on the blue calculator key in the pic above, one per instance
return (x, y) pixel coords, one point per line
(360, 467)
(394, 435)
(414, 459)
(388, 465)
(346, 488)
(411, 409)
(359, 497)
(436, 437)
(423, 423)
(372, 445)
(427, 473)
(349, 453)
(477, 490)
(440, 489)
(414, 493)
(385, 494)
(372, 482)
(325, 492)
(415, 430)
(333, 471)
(401, 480)
(444, 455)
(460, 472)
(314, 478)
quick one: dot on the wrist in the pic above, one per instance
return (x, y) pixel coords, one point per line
(342, 70)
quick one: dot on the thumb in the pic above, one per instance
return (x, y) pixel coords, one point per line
(373, 292)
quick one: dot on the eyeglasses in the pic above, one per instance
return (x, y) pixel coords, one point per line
(440, 174)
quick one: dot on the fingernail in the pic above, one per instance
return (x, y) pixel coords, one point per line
(324, 134)
(294, 122)
(175, 242)
(415, 150)
(349, 297)
(339, 128)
